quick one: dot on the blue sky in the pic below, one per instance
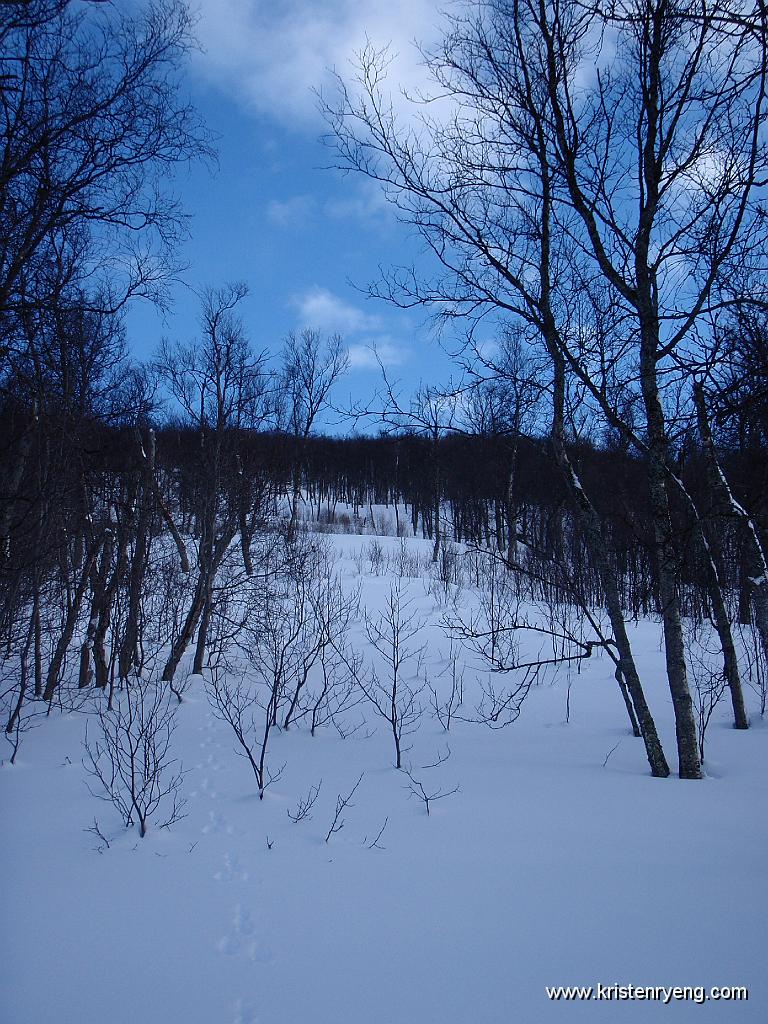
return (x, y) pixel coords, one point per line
(272, 214)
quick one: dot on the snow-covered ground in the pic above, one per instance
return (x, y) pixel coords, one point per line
(550, 866)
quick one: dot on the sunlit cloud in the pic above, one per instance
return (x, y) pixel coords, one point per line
(320, 308)
(271, 57)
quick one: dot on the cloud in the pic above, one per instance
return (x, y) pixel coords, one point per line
(363, 355)
(292, 212)
(366, 203)
(271, 56)
(321, 309)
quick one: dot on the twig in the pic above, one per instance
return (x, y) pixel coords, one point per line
(341, 803)
(305, 805)
(375, 844)
(96, 831)
(416, 788)
(605, 762)
(441, 759)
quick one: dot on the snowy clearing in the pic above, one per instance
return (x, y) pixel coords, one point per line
(559, 861)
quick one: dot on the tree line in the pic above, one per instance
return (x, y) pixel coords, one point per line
(604, 446)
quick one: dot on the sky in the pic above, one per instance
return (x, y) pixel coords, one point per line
(306, 238)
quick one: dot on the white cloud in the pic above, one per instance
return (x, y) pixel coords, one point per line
(367, 355)
(271, 56)
(321, 309)
(370, 346)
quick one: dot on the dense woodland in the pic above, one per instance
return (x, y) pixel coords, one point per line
(342, 478)
(608, 454)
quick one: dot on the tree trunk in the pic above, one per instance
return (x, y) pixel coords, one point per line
(590, 522)
(186, 634)
(512, 510)
(689, 761)
(73, 612)
(129, 648)
(149, 458)
(756, 562)
(710, 540)
(202, 634)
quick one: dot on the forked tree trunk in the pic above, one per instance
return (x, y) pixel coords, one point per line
(98, 597)
(100, 658)
(211, 557)
(590, 522)
(149, 462)
(689, 760)
(73, 613)
(184, 638)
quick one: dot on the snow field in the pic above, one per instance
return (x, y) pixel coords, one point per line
(550, 866)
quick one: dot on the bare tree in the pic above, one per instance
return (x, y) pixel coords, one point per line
(311, 366)
(337, 692)
(279, 637)
(509, 383)
(681, 82)
(148, 498)
(521, 641)
(540, 193)
(710, 680)
(92, 125)
(330, 614)
(393, 687)
(130, 756)
(220, 386)
(725, 506)
(17, 711)
(446, 709)
(481, 188)
(235, 700)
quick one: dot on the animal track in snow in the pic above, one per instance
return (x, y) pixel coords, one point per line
(229, 945)
(216, 824)
(232, 871)
(245, 1013)
(242, 922)
(205, 785)
(258, 953)
(242, 939)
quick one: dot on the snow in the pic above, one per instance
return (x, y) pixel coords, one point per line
(548, 867)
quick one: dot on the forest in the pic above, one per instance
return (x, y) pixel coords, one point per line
(215, 531)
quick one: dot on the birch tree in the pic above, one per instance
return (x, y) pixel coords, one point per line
(594, 161)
